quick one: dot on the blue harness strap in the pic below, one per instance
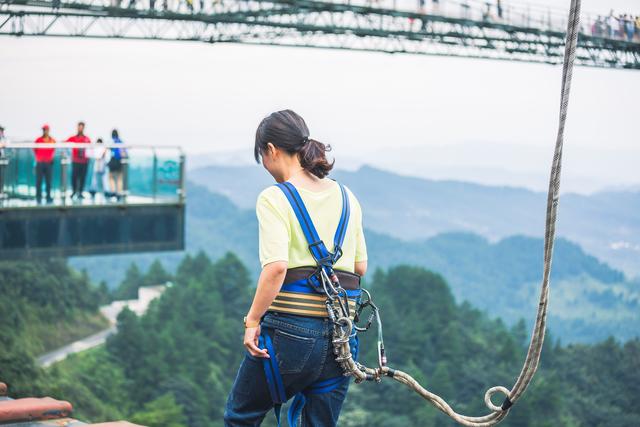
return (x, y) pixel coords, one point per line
(324, 260)
(318, 249)
(302, 286)
(274, 379)
(276, 386)
(319, 387)
(300, 399)
(272, 373)
(341, 230)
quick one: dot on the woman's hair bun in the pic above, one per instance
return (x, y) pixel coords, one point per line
(287, 130)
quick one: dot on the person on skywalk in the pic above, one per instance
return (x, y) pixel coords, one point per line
(305, 220)
(79, 162)
(3, 144)
(44, 164)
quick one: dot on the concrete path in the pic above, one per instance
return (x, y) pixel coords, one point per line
(91, 341)
(146, 294)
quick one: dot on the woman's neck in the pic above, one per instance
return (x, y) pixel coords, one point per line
(291, 169)
(294, 173)
(308, 181)
(297, 175)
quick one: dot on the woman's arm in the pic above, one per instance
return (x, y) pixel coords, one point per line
(269, 284)
(360, 268)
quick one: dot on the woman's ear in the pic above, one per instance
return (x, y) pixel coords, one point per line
(271, 149)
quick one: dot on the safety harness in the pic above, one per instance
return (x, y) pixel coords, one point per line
(308, 296)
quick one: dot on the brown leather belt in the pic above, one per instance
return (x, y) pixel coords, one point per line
(350, 281)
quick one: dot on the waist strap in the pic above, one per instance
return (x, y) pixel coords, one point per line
(349, 281)
(299, 296)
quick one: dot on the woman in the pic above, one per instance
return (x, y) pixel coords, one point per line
(97, 178)
(115, 167)
(292, 325)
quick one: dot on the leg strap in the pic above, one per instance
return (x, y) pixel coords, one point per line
(276, 386)
(272, 373)
(300, 399)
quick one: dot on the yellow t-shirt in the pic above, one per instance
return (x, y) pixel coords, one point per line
(282, 239)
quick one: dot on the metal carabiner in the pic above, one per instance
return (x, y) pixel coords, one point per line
(368, 302)
(327, 282)
(332, 291)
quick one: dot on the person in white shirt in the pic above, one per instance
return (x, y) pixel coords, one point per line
(99, 154)
(3, 141)
(613, 25)
(3, 162)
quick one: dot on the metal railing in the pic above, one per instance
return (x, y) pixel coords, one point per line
(140, 174)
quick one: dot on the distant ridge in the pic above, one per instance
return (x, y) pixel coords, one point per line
(605, 224)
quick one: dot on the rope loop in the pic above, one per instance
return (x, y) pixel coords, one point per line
(489, 394)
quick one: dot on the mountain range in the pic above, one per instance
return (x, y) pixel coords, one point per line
(605, 224)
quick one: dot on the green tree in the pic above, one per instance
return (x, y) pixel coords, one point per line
(129, 347)
(161, 412)
(128, 289)
(156, 275)
(104, 293)
(441, 381)
(188, 347)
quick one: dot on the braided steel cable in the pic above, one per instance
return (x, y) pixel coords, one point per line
(343, 325)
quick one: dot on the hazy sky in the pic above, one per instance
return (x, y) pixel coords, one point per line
(478, 120)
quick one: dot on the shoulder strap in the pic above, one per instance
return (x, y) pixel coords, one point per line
(317, 247)
(341, 231)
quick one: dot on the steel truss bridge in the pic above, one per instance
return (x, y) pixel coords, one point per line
(318, 24)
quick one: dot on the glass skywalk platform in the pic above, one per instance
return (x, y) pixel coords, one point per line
(144, 213)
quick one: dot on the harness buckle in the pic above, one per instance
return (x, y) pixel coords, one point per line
(326, 261)
(337, 253)
(315, 281)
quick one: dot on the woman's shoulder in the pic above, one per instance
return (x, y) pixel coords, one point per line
(350, 192)
(271, 195)
(355, 203)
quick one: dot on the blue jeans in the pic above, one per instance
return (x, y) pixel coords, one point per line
(305, 355)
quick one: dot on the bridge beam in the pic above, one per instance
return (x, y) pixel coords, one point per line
(314, 24)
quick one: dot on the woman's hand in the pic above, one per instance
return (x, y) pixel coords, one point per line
(251, 336)
(269, 284)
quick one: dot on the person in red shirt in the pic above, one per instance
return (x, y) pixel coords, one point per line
(44, 164)
(79, 162)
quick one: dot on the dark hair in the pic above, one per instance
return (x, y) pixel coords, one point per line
(287, 130)
(114, 133)
(81, 123)
(99, 141)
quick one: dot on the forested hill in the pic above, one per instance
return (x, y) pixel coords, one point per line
(589, 300)
(174, 366)
(43, 305)
(605, 224)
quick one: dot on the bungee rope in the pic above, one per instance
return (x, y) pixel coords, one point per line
(343, 327)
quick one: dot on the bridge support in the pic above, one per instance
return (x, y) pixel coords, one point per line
(320, 24)
(110, 229)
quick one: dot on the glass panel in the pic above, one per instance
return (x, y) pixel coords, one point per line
(140, 178)
(168, 173)
(152, 175)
